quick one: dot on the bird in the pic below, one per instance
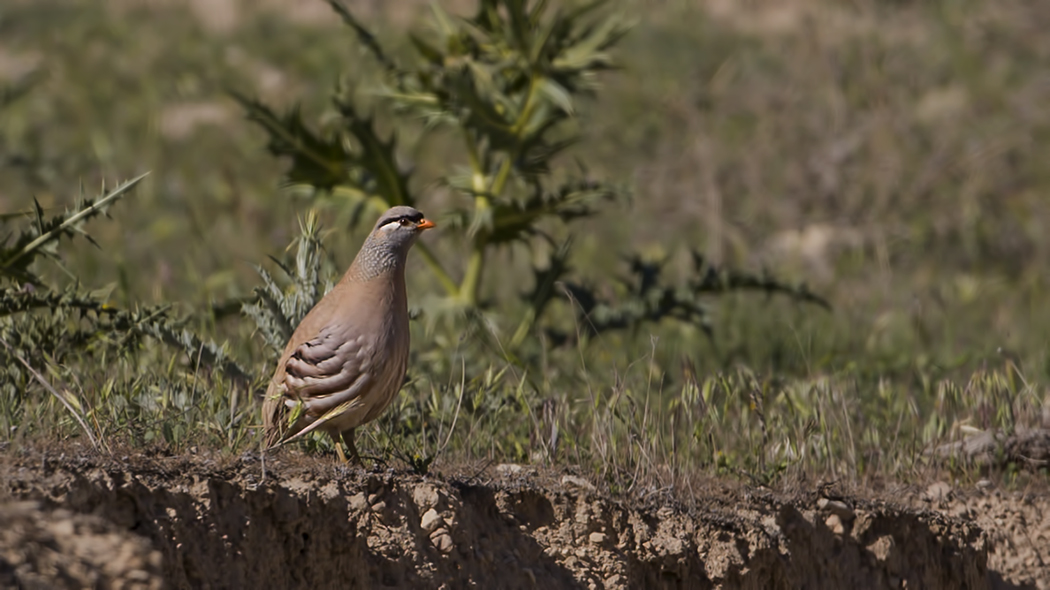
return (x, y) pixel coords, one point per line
(346, 360)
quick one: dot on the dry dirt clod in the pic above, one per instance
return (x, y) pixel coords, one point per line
(597, 538)
(938, 492)
(357, 503)
(575, 480)
(426, 496)
(41, 548)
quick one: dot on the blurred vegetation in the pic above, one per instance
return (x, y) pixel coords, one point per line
(892, 156)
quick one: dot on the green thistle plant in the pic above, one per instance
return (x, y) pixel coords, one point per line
(507, 81)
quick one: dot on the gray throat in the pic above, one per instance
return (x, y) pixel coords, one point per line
(374, 259)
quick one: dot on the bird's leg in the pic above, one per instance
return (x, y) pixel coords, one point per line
(337, 441)
(348, 438)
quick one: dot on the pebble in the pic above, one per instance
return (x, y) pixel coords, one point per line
(442, 540)
(837, 507)
(834, 523)
(431, 521)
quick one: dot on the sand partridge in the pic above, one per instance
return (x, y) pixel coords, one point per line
(346, 360)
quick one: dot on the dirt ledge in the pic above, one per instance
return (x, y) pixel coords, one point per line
(199, 522)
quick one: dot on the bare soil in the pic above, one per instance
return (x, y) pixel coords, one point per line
(72, 518)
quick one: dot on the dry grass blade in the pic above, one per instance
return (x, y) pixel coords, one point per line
(95, 442)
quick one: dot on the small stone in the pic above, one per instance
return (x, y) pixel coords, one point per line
(379, 507)
(597, 538)
(834, 523)
(613, 581)
(442, 540)
(838, 507)
(431, 521)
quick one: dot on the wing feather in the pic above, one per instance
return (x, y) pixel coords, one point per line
(328, 370)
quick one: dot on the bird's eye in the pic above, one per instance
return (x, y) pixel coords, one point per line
(404, 222)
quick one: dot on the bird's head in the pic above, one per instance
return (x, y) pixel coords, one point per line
(388, 245)
(398, 228)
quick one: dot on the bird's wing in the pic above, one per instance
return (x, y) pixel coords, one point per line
(328, 375)
(329, 369)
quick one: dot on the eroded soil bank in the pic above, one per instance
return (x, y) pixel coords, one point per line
(73, 518)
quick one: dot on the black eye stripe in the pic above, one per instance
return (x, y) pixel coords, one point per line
(402, 218)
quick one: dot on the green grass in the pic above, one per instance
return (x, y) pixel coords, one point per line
(892, 155)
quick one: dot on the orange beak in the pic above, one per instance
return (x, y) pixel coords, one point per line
(426, 224)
